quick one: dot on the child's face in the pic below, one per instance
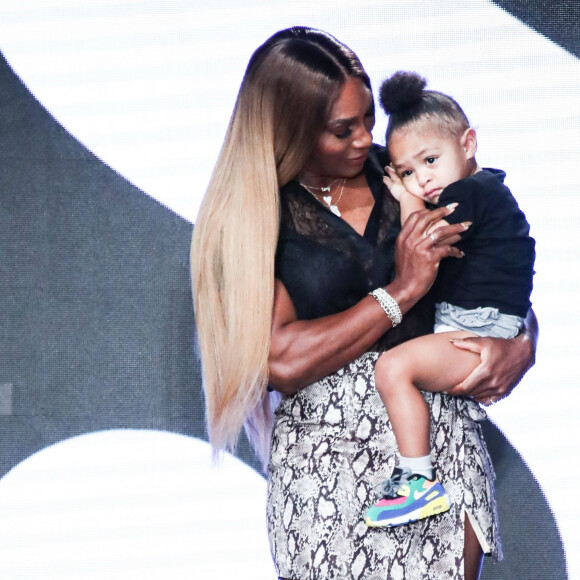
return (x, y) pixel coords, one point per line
(428, 161)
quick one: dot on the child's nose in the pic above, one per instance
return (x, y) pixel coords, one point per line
(423, 177)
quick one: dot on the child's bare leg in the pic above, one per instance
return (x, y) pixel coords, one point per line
(430, 363)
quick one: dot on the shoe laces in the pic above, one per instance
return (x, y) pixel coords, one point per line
(390, 487)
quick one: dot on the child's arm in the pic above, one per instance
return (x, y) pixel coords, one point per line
(409, 203)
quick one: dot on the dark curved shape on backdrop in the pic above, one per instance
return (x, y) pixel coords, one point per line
(559, 20)
(96, 317)
(97, 326)
(532, 545)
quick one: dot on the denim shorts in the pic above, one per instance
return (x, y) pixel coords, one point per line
(483, 321)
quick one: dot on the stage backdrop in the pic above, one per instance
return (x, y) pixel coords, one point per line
(111, 117)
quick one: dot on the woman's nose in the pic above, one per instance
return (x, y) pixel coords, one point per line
(363, 138)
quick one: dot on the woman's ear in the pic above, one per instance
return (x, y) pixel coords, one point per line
(469, 143)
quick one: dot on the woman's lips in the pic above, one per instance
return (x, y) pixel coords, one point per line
(359, 159)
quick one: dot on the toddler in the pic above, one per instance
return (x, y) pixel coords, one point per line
(486, 293)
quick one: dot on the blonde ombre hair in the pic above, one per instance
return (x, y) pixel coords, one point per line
(283, 105)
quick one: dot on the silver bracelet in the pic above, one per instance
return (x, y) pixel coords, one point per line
(388, 304)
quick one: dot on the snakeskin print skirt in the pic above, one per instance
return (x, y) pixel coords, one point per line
(331, 448)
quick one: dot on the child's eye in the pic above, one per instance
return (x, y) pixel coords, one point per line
(430, 160)
(406, 173)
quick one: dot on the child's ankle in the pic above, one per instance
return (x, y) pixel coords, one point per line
(419, 465)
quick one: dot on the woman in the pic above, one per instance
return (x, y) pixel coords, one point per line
(294, 233)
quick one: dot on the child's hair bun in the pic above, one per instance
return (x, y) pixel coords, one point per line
(400, 91)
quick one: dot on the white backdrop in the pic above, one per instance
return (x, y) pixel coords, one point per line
(149, 87)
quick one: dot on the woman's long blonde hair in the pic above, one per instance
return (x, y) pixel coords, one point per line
(284, 102)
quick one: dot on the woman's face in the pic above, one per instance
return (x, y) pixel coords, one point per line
(344, 144)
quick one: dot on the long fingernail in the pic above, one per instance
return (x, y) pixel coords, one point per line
(466, 225)
(452, 206)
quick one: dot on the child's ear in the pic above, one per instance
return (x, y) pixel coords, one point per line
(469, 143)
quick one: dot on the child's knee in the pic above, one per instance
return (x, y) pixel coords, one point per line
(389, 369)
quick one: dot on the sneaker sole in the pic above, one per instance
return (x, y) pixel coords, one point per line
(437, 506)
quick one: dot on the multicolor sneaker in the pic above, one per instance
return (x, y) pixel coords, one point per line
(407, 497)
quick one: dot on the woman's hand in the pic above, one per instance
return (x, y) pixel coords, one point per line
(503, 364)
(419, 251)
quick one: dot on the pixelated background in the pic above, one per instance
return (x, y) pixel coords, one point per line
(111, 116)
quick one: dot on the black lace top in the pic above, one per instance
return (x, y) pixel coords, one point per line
(327, 267)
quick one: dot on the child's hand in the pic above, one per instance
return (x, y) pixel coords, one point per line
(394, 183)
(409, 203)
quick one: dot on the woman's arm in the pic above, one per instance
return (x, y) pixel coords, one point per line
(303, 351)
(503, 363)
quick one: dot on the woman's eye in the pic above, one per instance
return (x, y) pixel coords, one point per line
(344, 135)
